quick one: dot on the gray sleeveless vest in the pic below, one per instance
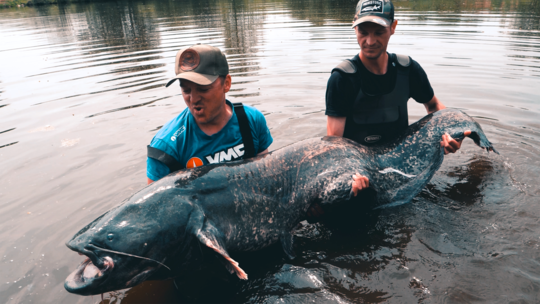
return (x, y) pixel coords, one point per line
(378, 119)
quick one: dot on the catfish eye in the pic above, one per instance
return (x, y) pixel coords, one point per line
(110, 236)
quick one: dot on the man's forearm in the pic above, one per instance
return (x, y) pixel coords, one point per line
(434, 105)
(335, 126)
(263, 152)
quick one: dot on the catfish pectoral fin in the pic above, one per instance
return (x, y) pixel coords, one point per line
(210, 236)
(232, 265)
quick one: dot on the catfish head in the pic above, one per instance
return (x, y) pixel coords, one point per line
(139, 239)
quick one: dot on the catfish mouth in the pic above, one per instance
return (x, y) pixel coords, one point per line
(89, 275)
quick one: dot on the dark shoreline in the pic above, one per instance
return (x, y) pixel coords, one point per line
(23, 3)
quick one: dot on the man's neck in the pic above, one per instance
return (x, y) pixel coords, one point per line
(218, 123)
(376, 66)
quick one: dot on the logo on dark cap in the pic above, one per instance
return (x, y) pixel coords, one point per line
(189, 60)
(373, 6)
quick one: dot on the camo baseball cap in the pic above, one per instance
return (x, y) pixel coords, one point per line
(377, 11)
(201, 64)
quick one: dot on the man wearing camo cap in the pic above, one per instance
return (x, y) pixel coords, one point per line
(211, 129)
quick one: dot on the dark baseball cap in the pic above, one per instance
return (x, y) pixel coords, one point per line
(377, 11)
(201, 64)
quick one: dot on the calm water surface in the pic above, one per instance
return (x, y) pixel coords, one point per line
(82, 93)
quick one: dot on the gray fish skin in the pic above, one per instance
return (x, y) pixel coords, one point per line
(250, 204)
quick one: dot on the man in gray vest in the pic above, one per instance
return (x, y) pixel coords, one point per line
(366, 96)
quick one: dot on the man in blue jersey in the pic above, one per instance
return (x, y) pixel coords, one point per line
(210, 130)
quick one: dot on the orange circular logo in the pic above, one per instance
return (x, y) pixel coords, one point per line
(189, 60)
(194, 162)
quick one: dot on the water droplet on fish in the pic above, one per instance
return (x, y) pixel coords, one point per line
(110, 236)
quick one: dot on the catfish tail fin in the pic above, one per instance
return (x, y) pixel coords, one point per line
(479, 139)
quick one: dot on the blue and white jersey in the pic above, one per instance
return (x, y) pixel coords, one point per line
(190, 146)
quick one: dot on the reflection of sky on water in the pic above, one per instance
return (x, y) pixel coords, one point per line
(141, 39)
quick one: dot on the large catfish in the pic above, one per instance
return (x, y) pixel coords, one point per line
(250, 204)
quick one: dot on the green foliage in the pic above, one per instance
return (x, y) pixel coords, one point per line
(12, 3)
(22, 3)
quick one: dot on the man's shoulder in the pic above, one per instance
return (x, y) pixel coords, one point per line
(255, 117)
(173, 126)
(405, 57)
(252, 111)
(415, 64)
(259, 129)
(348, 66)
(416, 68)
(340, 79)
(408, 62)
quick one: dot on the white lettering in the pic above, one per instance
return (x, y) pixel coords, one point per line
(214, 160)
(227, 156)
(178, 133)
(239, 152)
(368, 9)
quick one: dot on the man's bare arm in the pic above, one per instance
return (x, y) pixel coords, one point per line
(335, 126)
(434, 105)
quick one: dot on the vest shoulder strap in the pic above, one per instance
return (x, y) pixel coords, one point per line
(346, 66)
(403, 60)
(164, 158)
(245, 130)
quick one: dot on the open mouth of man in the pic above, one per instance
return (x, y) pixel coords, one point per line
(198, 110)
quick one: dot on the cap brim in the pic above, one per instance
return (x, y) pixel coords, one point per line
(375, 19)
(201, 79)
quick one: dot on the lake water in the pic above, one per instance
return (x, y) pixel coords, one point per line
(82, 93)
